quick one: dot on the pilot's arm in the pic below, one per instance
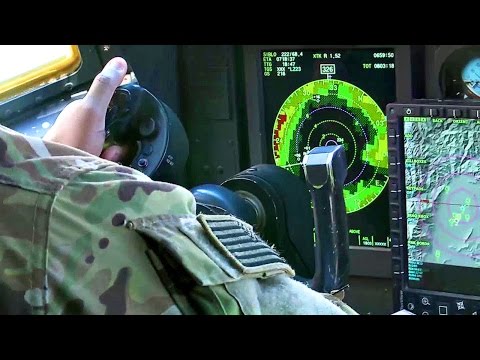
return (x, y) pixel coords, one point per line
(82, 235)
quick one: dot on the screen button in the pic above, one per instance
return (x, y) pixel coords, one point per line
(392, 159)
(393, 191)
(392, 135)
(443, 309)
(432, 112)
(475, 114)
(460, 305)
(395, 215)
(393, 187)
(426, 301)
(395, 239)
(454, 113)
(395, 252)
(395, 219)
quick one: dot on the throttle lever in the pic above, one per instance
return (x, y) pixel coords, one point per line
(325, 171)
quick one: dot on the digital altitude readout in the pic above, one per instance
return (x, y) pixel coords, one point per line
(335, 97)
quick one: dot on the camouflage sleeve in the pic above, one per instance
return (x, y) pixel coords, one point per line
(96, 265)
(62, 247)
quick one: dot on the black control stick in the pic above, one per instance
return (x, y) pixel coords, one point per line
(325, 172)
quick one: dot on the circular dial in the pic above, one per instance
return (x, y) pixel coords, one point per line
(471, 76)
(334, 112)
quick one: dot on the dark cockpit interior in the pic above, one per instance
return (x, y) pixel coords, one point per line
(358, 162)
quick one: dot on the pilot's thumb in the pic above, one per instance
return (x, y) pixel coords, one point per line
(105, 83)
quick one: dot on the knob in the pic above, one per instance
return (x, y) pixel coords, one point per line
(147, 127)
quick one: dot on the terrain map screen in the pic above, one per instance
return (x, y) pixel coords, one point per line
(442, 183)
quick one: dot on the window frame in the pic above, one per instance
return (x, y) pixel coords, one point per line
(92, 61)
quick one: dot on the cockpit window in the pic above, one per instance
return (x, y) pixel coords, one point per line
(26, 67)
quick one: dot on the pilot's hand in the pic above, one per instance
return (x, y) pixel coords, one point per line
(82, 123)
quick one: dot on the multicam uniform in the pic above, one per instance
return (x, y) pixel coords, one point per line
(82, 235)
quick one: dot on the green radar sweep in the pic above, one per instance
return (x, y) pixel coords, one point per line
(334, 112)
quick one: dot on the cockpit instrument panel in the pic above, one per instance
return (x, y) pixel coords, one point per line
(434, 158)
(320, 97)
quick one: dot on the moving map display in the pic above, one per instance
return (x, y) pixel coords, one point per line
(442, 182)
(335, 97)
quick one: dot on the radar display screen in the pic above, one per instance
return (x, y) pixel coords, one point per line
(335, 97)
(442, 183)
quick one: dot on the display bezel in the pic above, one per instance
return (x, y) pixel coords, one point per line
(398, 211)
(372, 262)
